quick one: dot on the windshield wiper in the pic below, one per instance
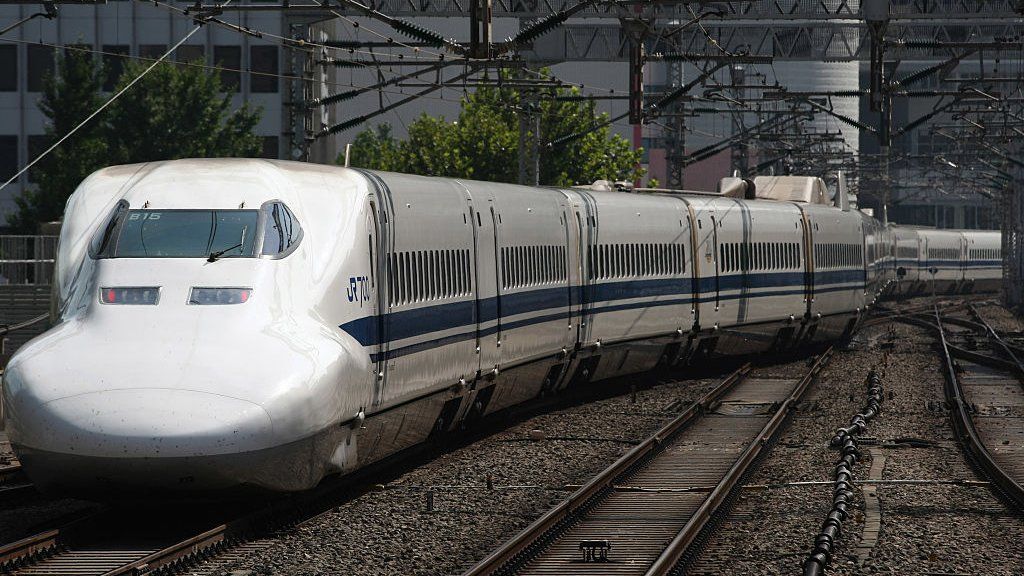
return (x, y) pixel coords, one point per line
(215, 255)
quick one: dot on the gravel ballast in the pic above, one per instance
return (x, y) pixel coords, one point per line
(925, 529)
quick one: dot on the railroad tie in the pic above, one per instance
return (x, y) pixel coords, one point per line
(872, 507)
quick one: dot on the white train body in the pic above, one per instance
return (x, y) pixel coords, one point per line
(396, 306)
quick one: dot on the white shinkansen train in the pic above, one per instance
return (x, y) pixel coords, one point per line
(223, 324)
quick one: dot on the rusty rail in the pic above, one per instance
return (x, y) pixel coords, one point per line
(675, 550)
(532, 541)
(525, 544)
(964, 426)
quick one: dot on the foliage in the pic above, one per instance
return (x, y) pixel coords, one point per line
(484, 142)
(177, 112)
(174, 111)
(69, 96)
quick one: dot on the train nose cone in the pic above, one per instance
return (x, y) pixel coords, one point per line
(146, 439)
(146, 423)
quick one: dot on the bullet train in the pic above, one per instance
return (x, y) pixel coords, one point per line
(221, 325)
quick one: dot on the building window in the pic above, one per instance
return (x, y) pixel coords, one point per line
(263, 66)
(152, 51)
(40, 66)
(189, 53)
(9, 67)
(229, 57)
(113, 64)
(270, 147)
(36, 144)
(8, 156)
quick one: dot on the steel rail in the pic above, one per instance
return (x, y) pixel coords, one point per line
(532, 541)
(525, 544)
(967, 432)
(1014, 358)
(673, 553)
(9, 472)
(8, 328)
(28, 549)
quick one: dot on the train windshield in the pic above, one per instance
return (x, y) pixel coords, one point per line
(182, 234)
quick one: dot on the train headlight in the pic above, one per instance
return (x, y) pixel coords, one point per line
(214, 296)
(134, 295)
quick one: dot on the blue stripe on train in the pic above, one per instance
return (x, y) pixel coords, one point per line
(450, 316)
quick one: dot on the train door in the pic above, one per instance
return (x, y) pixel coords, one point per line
(485, 267)
(808, 249)
(496, 251)
(573, 238)
(704, 255)
(964, 251)
(379, 252)
(695, 269)
(586, 227)
(711, 255)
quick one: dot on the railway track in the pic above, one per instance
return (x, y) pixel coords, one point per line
(642, 514)
(985, 395)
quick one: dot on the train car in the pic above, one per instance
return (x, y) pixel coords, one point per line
(945, 257)
(232, 324)
(908, 257)
(984, 265)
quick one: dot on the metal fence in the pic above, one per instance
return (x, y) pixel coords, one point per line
(27, 259)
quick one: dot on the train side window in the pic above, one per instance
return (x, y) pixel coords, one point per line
(531, 260)
(424, 276)
(536, 261)
(417, 266)
(403, 272)
(435, 276)
(391, 279)
(410, 277)
(442, 274)
(447, 274)
(522, 277)
(549, 269)
(517, 266)
(505, 272)
(428, 275)
(535, 264)
(528, 264)
(281, 229)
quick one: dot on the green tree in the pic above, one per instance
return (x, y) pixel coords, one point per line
(175, 111)
(377, 148)
(69, 96)
(484, 142)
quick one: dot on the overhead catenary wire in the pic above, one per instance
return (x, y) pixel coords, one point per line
(103, 106)
(211, 67)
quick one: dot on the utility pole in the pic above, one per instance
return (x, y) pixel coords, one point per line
(480, 29)
(740, 159)
(876, 14)
(529, 136)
